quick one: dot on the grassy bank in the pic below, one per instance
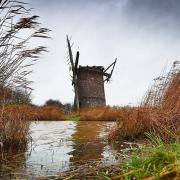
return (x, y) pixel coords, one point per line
(157, 160)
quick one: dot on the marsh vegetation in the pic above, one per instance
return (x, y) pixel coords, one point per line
(92, 138)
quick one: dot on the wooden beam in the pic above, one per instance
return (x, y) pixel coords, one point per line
(108, 75)
(110, 65)
(74, 76)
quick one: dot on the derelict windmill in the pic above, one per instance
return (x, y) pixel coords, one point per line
(88, 81)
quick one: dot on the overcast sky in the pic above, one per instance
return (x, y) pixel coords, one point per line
(143, 34)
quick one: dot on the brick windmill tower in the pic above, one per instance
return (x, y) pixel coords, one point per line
(88, 81)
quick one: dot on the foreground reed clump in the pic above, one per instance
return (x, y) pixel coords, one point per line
(159, 112)
(14, 129)
(15, 122)
(18, 28)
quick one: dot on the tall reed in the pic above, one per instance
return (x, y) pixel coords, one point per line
(159, 111)
(14, 129)
(17, 56)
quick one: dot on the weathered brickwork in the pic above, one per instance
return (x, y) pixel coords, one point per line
(91, 86)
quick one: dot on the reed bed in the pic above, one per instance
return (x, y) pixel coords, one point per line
(49, 113)
(159, 111)
(32, 112)
(14, 130)
(15, 122)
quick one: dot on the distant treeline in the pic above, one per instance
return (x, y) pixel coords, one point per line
(20, 96)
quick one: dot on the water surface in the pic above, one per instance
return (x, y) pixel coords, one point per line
(57, 146)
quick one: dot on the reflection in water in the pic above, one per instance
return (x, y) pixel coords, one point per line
(59, 145)
(88, 144)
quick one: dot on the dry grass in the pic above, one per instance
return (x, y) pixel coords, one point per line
(31, 112)
(14, 129)
(47, 113)
(159, 112)
(15, 121)
(99, 114)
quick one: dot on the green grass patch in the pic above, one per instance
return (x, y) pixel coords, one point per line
(159, 160)
(73, 117)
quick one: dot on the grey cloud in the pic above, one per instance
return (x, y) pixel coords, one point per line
(143, 34)
(154, 12)
(149, 14)
(155, 6)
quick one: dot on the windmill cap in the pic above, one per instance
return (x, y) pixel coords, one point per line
(91, 68)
